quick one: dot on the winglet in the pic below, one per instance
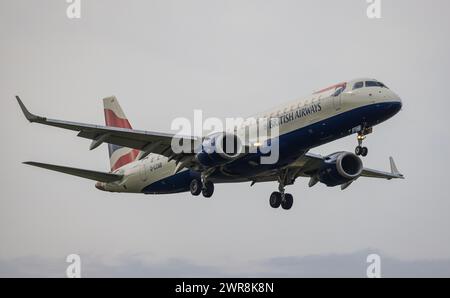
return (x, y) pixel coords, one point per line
(30, 117)
(394, 169)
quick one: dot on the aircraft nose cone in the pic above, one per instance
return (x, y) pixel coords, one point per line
(399, 102)
(392, 108)
(396, 101)
(397, 106)
(396, 98)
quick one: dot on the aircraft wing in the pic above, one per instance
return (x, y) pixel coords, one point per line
(312, 161)
(145, 141)
(309, 164)
(394, 174)
(88, 174)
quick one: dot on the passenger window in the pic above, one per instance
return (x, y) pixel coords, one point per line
(358, 85)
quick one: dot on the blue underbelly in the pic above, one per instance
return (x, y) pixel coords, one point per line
(291, 146)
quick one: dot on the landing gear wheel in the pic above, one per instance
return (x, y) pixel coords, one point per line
(360, 150)
(364, 151)
(275, 199)
(208, 189)
(195, 187)
(287, 201)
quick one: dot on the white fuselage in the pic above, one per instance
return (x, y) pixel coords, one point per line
(293, 116)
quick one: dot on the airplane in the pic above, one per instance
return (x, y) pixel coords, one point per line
(145, 162)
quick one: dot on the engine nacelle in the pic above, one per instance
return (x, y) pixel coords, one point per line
(339, 168)
(219, 149)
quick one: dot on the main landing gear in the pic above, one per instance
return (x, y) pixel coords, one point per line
(206, 188)
(360, 150)
(285, 200)
(280, 198)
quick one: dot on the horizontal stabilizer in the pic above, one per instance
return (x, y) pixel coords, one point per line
(92, 175)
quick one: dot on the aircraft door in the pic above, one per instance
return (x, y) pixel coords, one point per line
(144, 171)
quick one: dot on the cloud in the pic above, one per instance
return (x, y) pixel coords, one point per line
(124, 266)
(32, 266)
(353, 265)
(333, 265)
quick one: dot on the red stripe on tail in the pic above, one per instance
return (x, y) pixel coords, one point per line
(111, 119)
(125, 159)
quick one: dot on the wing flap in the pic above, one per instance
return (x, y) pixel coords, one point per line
(87, 174)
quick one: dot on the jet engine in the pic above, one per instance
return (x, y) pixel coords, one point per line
(219, 149)
(339, 168)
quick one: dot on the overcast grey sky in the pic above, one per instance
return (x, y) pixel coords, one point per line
(162, 59)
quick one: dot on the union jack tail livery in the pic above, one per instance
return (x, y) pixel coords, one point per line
(115, 117)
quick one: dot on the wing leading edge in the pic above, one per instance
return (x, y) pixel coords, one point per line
(145, 141)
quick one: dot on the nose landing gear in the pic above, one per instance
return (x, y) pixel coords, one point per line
(360, 150)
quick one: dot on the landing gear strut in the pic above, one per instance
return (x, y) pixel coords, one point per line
(360, 150)
(280, 198)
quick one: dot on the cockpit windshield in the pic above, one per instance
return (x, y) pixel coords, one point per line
(375, 84)
(358, 85)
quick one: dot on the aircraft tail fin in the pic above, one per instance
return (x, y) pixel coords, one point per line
(115, 117)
